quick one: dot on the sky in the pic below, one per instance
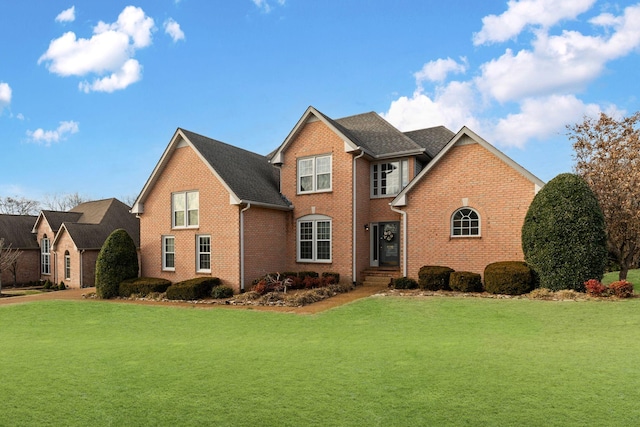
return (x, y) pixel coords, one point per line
(92, 92)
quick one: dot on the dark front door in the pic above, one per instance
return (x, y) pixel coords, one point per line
(389, 244)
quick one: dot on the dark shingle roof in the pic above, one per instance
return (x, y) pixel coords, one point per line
(16, 231)
(99, 219)
(432, 139)
(250, 176)
(376, 135)
(56, 218)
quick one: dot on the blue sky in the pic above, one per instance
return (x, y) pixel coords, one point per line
(92, 92)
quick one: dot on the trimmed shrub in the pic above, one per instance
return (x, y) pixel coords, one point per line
(142, 286)
(563, 236)
(47, 284)
(330, 278)
(595, 288)
(509, 278)
(465, 281)
(192, 289)
(220, 292)
(621, 289)
(117, 261)
(434, 278)
(404, 283)
(304, 274)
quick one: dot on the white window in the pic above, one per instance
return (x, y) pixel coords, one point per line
(203, 254)
(168, 253)
(185, 207)
(45, 258)
(67, 266)
(389, 178)
(314, 239)
(465, 222)
(314, 174)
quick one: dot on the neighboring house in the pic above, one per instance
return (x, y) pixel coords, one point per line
(345, 196)
(16, 232)
(70, 241)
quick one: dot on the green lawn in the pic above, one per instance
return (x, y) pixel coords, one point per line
(633, 276)
(382, 361)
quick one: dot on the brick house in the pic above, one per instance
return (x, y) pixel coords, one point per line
(69, 242)
(16, 232)
(345, 196)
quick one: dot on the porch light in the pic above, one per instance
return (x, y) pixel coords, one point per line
(366, 227)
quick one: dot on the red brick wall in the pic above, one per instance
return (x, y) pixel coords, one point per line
(499, 194)
(63, 244)
(317, 139)
(28, 268)
(185, 171)
(265, 234)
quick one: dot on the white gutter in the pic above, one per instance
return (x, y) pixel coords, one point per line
(353, 204)
(242, 246)
(404, 238)
(81, 269)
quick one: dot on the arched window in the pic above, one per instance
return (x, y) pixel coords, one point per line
(465, 222)
(67, 266)
(314, 238)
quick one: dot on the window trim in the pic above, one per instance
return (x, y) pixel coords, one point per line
(468, 227)
(186, 209)
(404, 177)
(165, 252)
(314, 174)
(199, 268)
(45, 256)
(314, 220)
(67, 266)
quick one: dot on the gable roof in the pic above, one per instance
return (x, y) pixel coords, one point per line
(401, 200)
(16, 231)
(373, 135)
(247, 176)
(55, 219)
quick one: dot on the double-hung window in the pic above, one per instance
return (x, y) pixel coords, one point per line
(185, 207)
(203, 253)
(314, 174)
(314, 239)
(389, 178)
(168, 253)
(45, 257)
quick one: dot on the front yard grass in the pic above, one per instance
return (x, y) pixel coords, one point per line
(382, 361)
(633, 276)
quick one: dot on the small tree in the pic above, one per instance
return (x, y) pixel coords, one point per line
(607, 153)
(8, 258)
(117, 261)
(563, 236)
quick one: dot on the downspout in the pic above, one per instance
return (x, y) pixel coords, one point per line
(242, 246)
(81, 270)
(353, 204)
(404, 239)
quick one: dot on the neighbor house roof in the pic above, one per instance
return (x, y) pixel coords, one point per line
(16, 231)
(247, 176)
(55, 219)
(97, 220)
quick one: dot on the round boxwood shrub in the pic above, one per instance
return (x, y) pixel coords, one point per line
(142, 286)
(465, 281)
(509, 278)
(117, 261)
(563, 236)
(219, 292)
(404, 283)
(192, 289)
(434, 277)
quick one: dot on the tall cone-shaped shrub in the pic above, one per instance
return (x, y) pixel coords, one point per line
(117, 261)
(563, 236)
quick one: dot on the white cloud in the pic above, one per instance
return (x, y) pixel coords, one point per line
(172, 28)
(5, 95)
(438, 70)
(540, 81)
(47, 137)
(108, 54)
(68, 15)
(524, 13)
(265, 6)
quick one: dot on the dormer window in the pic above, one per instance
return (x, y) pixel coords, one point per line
(314, 174)
(389, 178)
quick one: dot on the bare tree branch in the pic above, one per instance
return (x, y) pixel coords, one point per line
(8, 258)
(18, 206)
(63, 202)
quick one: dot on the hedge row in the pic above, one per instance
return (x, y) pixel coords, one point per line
(508, 277)
(192, 289)
(142, 286)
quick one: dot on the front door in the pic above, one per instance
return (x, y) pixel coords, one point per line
(388, 236)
